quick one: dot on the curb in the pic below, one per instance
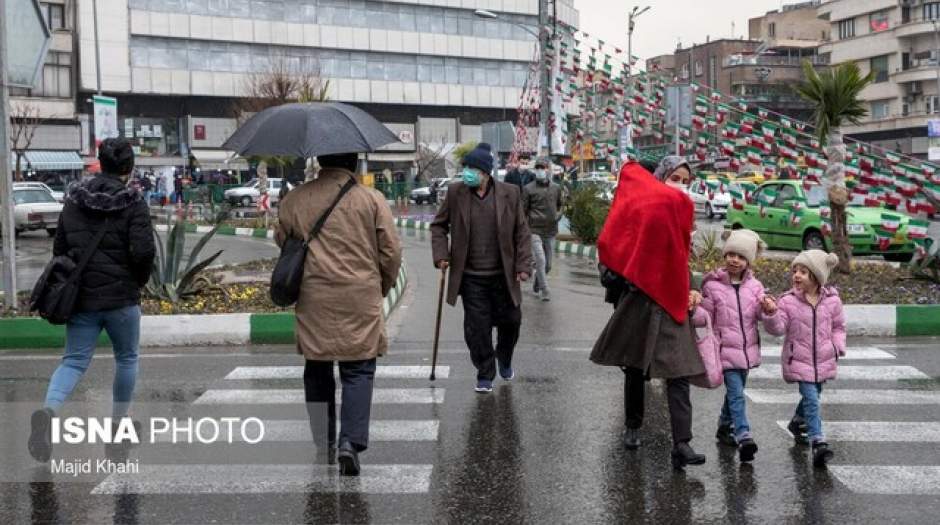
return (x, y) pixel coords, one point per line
(182, 330)
(885, 320)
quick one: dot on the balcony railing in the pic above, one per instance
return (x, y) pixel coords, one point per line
(774, 60)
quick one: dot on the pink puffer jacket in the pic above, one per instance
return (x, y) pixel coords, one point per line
(734, 316)
(814, 337)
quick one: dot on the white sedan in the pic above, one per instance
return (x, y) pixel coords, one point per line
(57, 195)
(248, 194)
(35, 209)
(708, 201)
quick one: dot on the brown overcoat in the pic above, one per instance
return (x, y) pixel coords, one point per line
(453, 219)
(350, 267)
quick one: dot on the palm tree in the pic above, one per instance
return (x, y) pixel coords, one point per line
(836, 95)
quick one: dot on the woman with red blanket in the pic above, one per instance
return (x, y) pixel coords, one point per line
(645, 247)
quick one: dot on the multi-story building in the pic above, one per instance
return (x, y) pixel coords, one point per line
(896, 40)
(46, 112)
(430, 69)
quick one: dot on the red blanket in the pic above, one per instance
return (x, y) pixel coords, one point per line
(647, 238)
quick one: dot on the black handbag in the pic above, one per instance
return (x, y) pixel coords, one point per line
(56, 291)
(289, 271)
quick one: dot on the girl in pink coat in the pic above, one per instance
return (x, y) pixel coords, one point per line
(735, 301)
(810, 318)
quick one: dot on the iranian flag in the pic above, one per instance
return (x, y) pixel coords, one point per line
(866, 163)
(790, 138)
(701, 105)
(762, 113)
(785, 122)
(814, 143)
(730, 131)
(769, 131)
(695, 87)
(917, 229)
(727, 147)
(747, 127)
(812, 159)
(928, 169)
(702, 139)
(698, 122)
(873, 198)
(754, 155)
(737, 199)
(716, 96)
(883, 237)
(892, 157)
(932, 189)
(701, 154)
(787, 153)
(767, 197)
(796, 216)
(920, 248)
(825, 212)
(685, 132)
(861, 149)
(735, 163)
(769, 169)
(826, 227)
(742, 105)
(890, 222)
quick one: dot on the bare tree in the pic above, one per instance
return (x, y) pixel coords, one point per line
(24, 122)
(431, 160)
(287, 79)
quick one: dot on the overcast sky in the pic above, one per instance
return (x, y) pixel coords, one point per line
(669, 21)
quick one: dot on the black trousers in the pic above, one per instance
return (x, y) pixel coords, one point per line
(677, 395)
(487, 304)
(320, 395)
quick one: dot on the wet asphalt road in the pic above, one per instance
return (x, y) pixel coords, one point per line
(545, 448)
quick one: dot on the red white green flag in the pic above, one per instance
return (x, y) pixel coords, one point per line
(890, 222)
(769, 131)
(917, 229)
(762, 113)
(727, 147)
(754, 155)
(892, 157)
(883, 237)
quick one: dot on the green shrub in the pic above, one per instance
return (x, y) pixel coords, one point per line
(586, 212)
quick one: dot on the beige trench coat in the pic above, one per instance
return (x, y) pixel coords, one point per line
(350, 267)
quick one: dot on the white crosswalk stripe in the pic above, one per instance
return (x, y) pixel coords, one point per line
(262, 479)
(920, 480)
(850, 372)
(380, 396)
(847, 396)
(852, 353)
(297, 372)
(880, 431)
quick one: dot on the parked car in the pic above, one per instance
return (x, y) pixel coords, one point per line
(248, 194)
(59, 196)
(35, 209)
(777, 229)
(605, 187)
(427, 194)
(709, 201)
(442, 188)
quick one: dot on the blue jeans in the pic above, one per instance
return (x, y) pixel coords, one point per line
(81, 335)
(734, 409)
(808, 410)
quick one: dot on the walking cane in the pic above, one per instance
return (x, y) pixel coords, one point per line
(437, 324)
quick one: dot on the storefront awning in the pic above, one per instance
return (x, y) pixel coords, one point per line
(49, 161)
(218, 159)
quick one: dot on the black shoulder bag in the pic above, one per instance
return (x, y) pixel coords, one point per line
(289, 271)
(56, 291)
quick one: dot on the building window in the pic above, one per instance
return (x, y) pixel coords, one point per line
(932, 104)
(685, 72)
(712, 71)
(55, 15)
(879, 67)
(698, 68)
(846, 28)
(55, 81)
(878, 22)
(932, 11)
(772, 29)
(879, 110)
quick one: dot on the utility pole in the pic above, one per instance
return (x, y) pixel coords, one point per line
(631, 24)
(544, 135)
(936, 34)
(6, 183)
(94, 14)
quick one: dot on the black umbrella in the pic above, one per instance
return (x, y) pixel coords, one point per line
(309, 130)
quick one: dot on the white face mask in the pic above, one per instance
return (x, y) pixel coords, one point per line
(541, 174)
(677, 185)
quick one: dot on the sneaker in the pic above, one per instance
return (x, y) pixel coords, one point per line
(798, 429)
(725, 436)
(821, 454)
(40, 435)
(747, 450)
(506, 372)
(546, 296)
(484, 386)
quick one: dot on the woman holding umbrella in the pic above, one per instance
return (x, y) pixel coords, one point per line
(644, 248)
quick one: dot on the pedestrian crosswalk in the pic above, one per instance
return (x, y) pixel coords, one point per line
(878, 382)
(401, 389)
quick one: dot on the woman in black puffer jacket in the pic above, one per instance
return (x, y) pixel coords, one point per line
(109, 296)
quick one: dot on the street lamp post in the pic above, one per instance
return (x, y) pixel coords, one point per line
(631, 24)
(936, 34)
(542, 36)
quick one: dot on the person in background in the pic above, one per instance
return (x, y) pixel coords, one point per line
(542, 201)
(521, 174)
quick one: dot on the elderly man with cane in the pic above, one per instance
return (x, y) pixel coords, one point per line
(489, 255)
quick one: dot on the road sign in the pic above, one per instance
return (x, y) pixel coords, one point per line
(27, 39)
(106, 121)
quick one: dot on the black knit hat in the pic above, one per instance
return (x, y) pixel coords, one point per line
(480, 158)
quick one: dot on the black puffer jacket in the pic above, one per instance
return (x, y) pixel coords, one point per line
(122, 263)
